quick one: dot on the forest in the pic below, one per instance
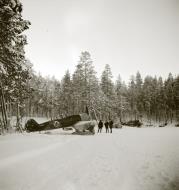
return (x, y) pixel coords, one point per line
(23, 92)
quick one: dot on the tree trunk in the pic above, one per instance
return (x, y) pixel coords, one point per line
(2, 102)
(18, 124)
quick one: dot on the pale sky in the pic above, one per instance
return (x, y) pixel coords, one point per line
(129, 35)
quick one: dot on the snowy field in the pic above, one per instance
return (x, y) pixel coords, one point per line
(127, 159)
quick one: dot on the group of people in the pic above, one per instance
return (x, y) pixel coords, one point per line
(108, 125)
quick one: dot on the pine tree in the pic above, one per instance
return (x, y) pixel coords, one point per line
(78, 87)
(107, 85)
(119, 97)
(66, 94)
(169, 91)
(161, 99)
(12, 55)
(176, 97)
(132, 98)
(147, 92)
(57, 98)
(85, 83)
(107, 88)
(139, 94)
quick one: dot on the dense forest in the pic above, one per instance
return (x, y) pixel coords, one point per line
(23, 92)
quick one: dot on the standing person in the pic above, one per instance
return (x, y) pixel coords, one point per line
(110, 125)
(107, 126)
(100, 126)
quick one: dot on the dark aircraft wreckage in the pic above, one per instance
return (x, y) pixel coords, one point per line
(81, 123)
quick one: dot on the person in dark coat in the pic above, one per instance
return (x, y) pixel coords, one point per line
(107, 126)
(100, 126)
(110, 125)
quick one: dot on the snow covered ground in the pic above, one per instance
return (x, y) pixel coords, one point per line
(127, 159)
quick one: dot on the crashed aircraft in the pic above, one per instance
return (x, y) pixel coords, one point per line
(81, 123)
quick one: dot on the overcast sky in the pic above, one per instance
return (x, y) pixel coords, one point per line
(129, 35)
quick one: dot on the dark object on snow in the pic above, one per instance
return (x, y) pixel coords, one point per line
(32, 125)
(68, 121)
(100, 126)
(133, 123)
(161, 125)
(110, 125)
(81, 123)
(177, 125)
(117, 125)
(106, 124)
(165, 124)
(149, 125)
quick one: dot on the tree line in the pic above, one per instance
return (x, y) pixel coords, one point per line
(150, 98)
(25, 93)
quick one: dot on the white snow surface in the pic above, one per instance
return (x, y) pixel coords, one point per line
(127, 159)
